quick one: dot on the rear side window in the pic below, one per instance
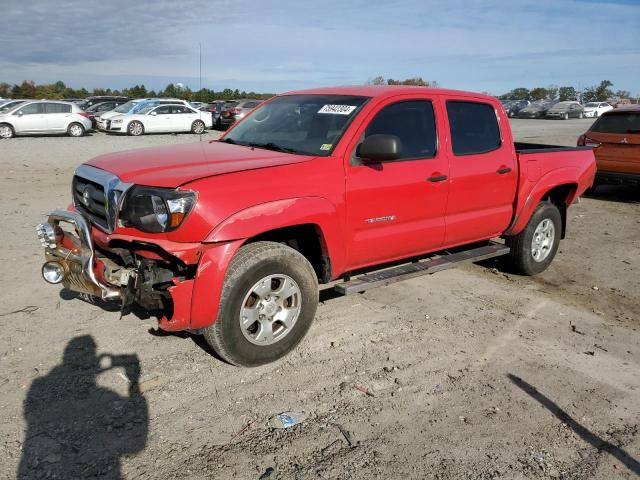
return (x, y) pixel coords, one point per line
(628, 122)
(413, 122)
(474, 127)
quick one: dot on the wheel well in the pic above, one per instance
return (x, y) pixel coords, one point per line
(306, 239)
(562, 196)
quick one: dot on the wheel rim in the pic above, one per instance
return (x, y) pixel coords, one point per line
(270, 309)
(135, 128)
(75, 130)
(5, 132)
(199, 127)
(542, 242)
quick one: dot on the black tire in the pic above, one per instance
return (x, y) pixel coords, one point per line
(135, 128)
(7, 131)
(252, 263)
(521, 255)
(595, 114)
(198, 127)
(580, 115)
(565, 116)
(75, 129)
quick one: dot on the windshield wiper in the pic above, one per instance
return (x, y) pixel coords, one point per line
(272, 146)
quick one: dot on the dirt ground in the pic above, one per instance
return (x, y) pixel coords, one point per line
(473, 373)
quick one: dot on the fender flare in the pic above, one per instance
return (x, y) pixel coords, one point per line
(566, 176)
(288, 212)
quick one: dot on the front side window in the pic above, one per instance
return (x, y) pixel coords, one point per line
(413, 122)
(31, 109)
(163, 110)
(305, 124)
(474, 127)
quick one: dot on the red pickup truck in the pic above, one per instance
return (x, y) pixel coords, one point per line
(351, 187)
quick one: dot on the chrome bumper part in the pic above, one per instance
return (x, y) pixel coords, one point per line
(78, 262)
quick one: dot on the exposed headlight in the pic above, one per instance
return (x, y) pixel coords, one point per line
(156, 210)
(116, 121)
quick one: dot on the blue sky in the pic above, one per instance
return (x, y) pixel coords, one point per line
(279, 45)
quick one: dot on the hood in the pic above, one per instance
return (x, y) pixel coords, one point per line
(176, 165)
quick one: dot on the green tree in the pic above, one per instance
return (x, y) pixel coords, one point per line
(567, 93)
(519, 93)
(539, 93)
(598, 93)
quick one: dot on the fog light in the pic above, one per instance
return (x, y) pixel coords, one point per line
(53, 272)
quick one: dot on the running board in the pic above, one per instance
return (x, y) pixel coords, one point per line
(419, 268)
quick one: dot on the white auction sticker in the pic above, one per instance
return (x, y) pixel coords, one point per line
(337, 109)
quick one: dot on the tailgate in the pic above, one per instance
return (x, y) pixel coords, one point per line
(617, 152)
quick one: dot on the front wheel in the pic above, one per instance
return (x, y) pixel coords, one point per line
(268, 301)
(580, 115)
(6, 131)
(135, 128)
(565, 116)
(198, 127)
(533, 249)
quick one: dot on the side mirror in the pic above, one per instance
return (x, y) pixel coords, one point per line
(379, 148)
(19, 113)
(153, 113)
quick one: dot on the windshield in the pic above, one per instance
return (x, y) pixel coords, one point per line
(125, 107)
(7, 107)
(628, 122)
(307, 124)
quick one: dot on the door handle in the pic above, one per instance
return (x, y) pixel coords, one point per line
(437, 178)
(503, 170)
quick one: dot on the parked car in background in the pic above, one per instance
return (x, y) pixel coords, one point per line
(176, 118)
(565, 110)
(216, 109)
(89, 101)
(536, 109)
(513, 107)
(595, 109)
(619, 102)
(44, 117)
(8, 105)
(237, 110)
(615, 138)
(133, 106)
(96, 110)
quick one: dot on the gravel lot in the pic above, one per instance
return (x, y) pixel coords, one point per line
(472, 373)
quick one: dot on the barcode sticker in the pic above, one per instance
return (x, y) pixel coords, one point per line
(337, 109)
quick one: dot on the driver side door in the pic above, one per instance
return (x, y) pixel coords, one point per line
(159, 119)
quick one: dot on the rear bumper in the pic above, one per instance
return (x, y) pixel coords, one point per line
(617, 178)
(181, 283)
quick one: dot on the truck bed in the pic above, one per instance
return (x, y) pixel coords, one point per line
(525, 148)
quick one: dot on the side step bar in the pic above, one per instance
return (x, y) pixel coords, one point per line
(422, 267)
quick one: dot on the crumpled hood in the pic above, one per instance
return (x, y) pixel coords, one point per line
(176, 165)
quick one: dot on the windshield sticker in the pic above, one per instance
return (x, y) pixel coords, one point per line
(337, 109)
(326, 146)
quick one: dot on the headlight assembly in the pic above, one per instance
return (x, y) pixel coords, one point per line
(156, 210)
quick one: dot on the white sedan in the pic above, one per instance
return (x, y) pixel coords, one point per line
(595, 109)
(173, 118)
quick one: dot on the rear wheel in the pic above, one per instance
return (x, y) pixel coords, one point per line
(6, 131)
(135, 128)
(198, 127)
(533, 249)
(268, 301)
(75, 130)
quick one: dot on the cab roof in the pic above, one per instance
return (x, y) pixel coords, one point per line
(385, 91)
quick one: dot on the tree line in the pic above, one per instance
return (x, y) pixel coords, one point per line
(596, 93)
(58, 91)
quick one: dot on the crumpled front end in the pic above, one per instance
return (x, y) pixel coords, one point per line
(85, 260)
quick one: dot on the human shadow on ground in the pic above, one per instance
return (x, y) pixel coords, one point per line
(589, 437)
(77, 429)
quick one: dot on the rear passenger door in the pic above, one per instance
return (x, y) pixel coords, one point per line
(396, 209)
(183, 117)
(483, 174)
(57, 115)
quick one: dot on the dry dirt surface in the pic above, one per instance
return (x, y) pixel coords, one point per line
(473, 373)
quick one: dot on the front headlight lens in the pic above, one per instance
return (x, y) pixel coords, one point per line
(156, 210)
(116, 121)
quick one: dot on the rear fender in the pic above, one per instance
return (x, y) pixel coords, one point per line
(265, 217)
(576, 178)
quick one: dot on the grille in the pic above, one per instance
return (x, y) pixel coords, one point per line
(97, 194)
